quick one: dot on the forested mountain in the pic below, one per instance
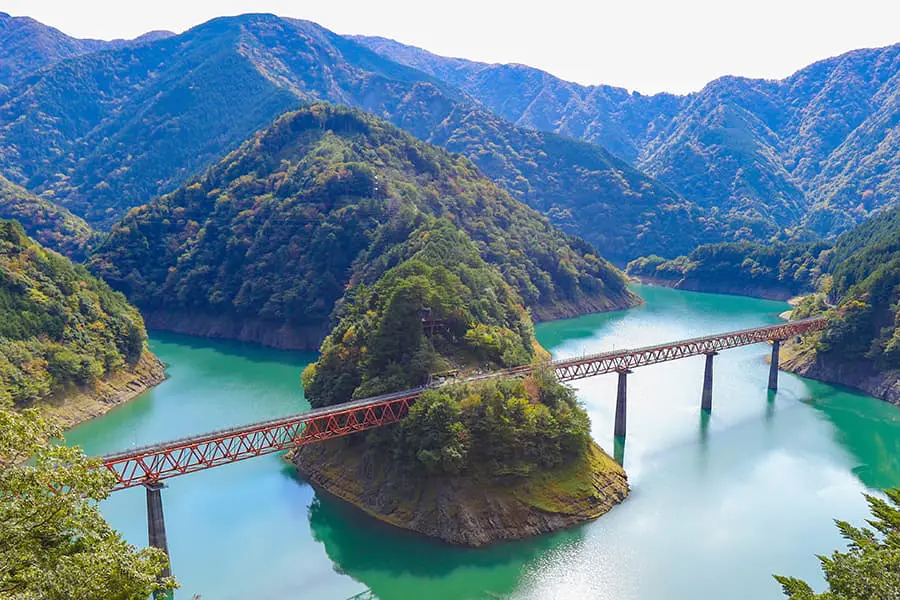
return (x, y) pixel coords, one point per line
(59, 326)
(271, 237)
(113, 129)
(27, 46)
(820, 148)
(48, 223)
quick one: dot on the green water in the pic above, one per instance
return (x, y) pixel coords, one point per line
(717, 503)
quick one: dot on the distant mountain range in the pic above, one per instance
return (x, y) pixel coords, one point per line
(820, 148)
(106, 131)
(101, 127)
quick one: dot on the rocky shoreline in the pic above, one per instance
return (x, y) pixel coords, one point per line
(465, 510)
(82, 405)
(884, 385)
(285, 337)
(763, 292)
(257, 331)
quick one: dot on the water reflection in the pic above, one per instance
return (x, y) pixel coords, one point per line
(868, 428)
(397, 564)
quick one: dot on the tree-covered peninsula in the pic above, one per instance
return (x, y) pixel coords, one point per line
(473, 462)
(69, 345)
(264, 245)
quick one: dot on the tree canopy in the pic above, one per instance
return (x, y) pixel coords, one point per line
(54, 543)
(870, 568)
(59, 326)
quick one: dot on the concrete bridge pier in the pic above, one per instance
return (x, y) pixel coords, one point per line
(156, 524)
(706, 397)
(773, 367)
(621, 403)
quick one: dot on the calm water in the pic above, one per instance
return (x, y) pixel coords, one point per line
(717, 504)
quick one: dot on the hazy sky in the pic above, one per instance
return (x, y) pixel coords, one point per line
(644, 45)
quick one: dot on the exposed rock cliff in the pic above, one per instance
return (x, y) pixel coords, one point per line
(257, 331)
(470, 510)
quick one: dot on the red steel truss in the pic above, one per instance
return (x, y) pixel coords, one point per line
(622, 360)
(149, 464)
(170, 459)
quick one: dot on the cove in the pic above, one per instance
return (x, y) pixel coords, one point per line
(718, 503)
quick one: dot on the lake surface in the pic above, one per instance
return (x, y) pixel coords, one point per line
(718, 503)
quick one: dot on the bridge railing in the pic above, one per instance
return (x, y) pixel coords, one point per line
(623, 360)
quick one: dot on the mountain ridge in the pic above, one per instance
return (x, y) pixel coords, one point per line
(142, 119)
(805, 130)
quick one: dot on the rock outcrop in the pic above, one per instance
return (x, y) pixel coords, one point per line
(465, 510)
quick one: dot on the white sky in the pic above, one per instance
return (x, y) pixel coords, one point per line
(644, 45)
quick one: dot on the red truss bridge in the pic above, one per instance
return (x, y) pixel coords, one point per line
(151, 464)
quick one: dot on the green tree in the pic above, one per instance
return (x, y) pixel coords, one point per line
(870, 568)
(54, 543)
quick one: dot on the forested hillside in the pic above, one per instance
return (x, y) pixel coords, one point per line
(50, 224)
(269, 239)
(60, 328)
(820, 148)
(778, 270)
(116, 128)
(855, 282)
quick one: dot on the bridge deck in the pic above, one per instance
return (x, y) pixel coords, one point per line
(138, 466)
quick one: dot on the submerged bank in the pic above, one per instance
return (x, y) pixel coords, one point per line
(471, 511)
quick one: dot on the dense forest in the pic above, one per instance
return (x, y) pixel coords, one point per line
(817, 149)
(59, 326)
(443, 308)
(48, 223)
(864, 288)
(318, 202)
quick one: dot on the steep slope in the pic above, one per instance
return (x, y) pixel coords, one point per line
(823, 141)
(617, 120)
(51, 225)
(861, 346)
(65, 335)
(266, 242)
(116, 128)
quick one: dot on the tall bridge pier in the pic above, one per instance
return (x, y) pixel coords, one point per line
(622, 402)
(156, 523)
(773, 367)
(706, 396)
